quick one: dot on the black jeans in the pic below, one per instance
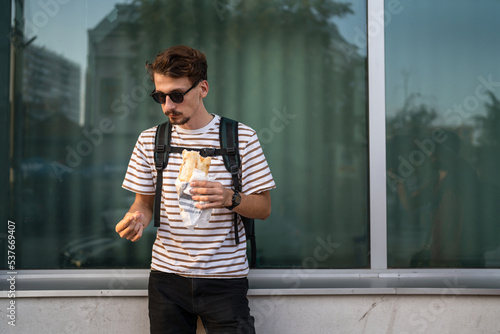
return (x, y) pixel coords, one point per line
(175, 302)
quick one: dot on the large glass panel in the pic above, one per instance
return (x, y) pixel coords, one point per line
(443, 126)
(288, 69)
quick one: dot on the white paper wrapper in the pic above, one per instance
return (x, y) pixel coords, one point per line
(191, 215)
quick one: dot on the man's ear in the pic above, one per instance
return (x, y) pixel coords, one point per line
(204, 88)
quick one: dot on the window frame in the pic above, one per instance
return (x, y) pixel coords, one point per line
(376, 137)
(378, 279)
(5, 101)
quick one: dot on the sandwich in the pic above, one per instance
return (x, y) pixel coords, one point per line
(192, 160)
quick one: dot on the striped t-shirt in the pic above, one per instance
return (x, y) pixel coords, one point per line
(208, 251)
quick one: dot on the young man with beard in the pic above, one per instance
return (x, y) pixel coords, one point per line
(200, 272)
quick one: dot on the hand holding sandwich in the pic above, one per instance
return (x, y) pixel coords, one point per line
(257, 206)
(212, 194)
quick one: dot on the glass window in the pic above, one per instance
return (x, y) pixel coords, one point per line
(285, 68)
(442, 121)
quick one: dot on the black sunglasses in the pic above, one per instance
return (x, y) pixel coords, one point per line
(176, 97)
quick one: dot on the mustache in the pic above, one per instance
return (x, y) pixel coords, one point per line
(173, 113)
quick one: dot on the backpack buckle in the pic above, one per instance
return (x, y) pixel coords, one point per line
(207, 152)
(159, 165)
(234, 170)
(160, 148)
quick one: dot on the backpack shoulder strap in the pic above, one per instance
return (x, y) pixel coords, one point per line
(161, 153)
(228, 134)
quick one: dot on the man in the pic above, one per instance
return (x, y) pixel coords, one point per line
(200, 272)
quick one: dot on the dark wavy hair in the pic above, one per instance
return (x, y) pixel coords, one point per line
(179, 61)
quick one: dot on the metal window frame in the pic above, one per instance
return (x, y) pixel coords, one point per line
(274, 282)
(263, 282)
(5, 102)
(376, 138)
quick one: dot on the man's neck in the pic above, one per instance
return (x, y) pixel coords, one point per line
(199, 121)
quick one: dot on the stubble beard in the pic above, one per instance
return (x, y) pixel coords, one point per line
(180, 121)
(177, 120)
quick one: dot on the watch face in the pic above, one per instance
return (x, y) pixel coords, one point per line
(236, 199)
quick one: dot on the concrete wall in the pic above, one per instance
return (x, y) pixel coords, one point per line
(391, 314)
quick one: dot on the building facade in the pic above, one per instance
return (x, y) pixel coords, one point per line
(379, 120)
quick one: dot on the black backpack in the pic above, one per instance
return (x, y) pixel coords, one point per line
(228, 137)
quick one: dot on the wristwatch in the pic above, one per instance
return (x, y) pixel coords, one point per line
(235, 201)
